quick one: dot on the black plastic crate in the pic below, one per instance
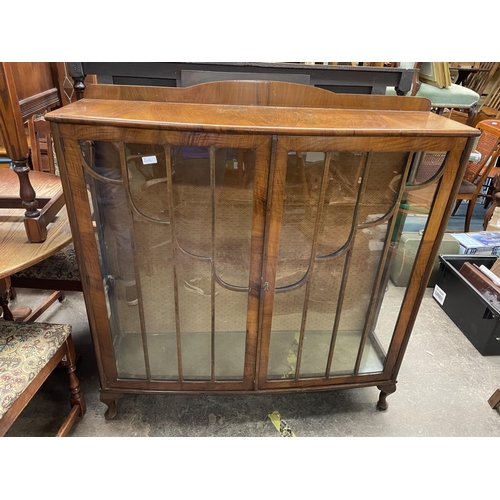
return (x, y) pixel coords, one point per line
(478, 319)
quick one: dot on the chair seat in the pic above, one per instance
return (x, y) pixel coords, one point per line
(467, 187)
(60, 266)
(454, 96)
(25, 349)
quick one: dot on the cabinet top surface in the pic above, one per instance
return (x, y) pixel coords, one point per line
(257, 119)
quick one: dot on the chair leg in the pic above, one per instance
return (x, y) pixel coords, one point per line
(78, 406)
(4, 305)
(457, 204)
(4, 299)
(468, 215)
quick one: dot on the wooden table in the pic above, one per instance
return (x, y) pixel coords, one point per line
(16, 251)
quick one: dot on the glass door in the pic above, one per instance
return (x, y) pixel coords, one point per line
(334, 230)
(177, 227)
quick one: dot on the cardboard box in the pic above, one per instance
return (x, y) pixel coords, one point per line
(477, 316)
(482, 242)
(494, 224)
(406, 252)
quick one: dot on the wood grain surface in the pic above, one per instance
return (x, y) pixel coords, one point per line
(16, 251)
(257, 119)
(256, 93)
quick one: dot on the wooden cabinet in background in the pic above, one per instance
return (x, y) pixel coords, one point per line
(238, 246)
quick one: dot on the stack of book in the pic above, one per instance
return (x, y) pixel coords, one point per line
(483, 242)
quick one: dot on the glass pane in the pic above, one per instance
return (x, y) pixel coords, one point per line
(223, 232)
(114, 242)
(407, 235)
(148, 187)
(342, 288)
(160, 268)
(283, 348)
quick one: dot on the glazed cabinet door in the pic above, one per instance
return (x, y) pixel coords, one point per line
(241, 262)
(338, 208)
(172, 233)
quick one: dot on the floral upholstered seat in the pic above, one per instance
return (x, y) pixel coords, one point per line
(29, 352)
(61, 266)
(25, 348)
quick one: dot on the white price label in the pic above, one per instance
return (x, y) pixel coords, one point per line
(439, 294)
(147, 160)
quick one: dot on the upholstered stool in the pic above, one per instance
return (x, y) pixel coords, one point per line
(29, 352)
(452, 97)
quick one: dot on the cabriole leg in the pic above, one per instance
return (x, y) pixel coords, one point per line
(110, 399)
(385, 390)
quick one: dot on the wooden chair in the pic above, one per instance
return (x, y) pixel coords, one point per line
(480, 76)
(477, 172)
(491, 105)
(29, 353)
(59, 272)
(27, 89)
(42, 152)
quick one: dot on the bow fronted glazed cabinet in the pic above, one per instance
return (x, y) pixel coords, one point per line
(239, 236)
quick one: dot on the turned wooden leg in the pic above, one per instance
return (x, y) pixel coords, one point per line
(385, 390)
(77, 398)
(78, 406)
(110, 399)
(75, 70)
(4, 305)
(26, 191)
(18, 314)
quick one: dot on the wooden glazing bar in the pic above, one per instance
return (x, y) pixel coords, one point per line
(340, 301)
(142, 321)
(378, 290)
(363, 164)
(173, 248)
(417, 159)
(189, 254)
(259, 206)
(228, 286)
(212, 266)
(270, 185)
(431, 180)
(312, 259)
(97, 176)
(364, 161)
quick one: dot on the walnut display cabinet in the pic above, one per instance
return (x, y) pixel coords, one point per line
(239, 237)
